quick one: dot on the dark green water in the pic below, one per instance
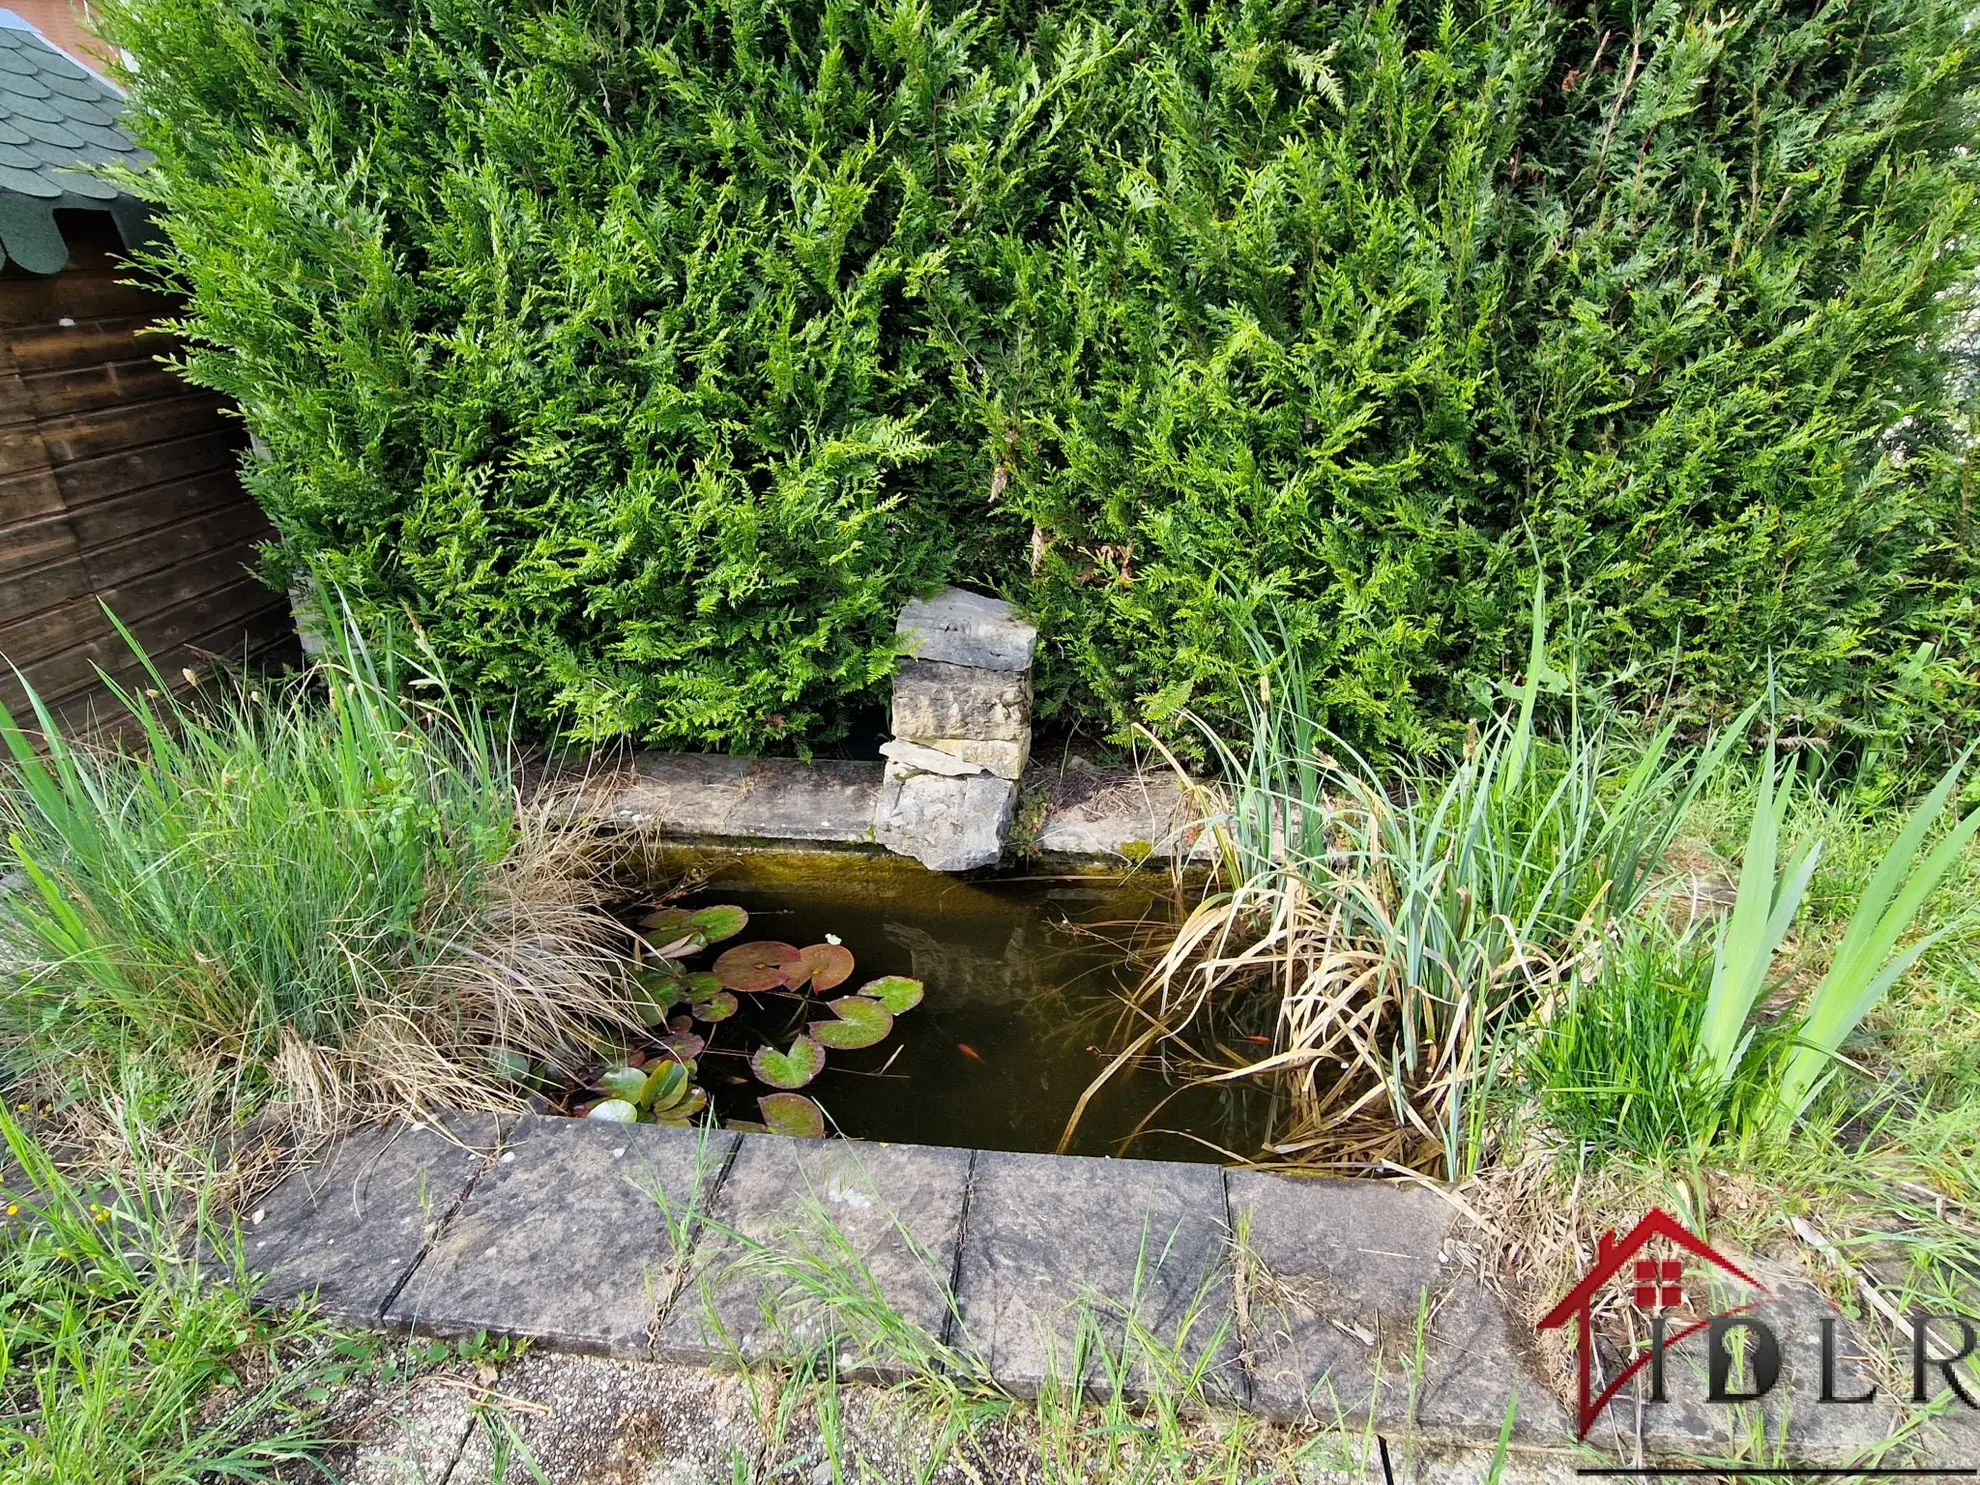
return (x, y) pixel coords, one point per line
(1023, 975)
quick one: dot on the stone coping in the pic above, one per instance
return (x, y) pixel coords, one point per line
(1335, 1303)
(1114, 817)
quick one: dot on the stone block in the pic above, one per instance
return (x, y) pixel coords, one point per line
(1005, 759)
(825, 800)
(1353, 1310)
(575, 1237)
(351, 1227)
(932, 760)
(883, 1220)
(958, 627)
(1053, 1244)
(945, 824)
(932, 700)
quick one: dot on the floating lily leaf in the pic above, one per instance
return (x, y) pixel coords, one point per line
(614, 1111)
(682, 1043)
(757, 966)
(792, 1114)
(861, 1023)
(701, 984)
(682, 1114)
(669, 922)
(657, 994)
(717, 1007)
(626, 1083)
(664, 1087)
(896, 992)
(825, 965)
(747, 1126)
(714, 924)
(792, 1069)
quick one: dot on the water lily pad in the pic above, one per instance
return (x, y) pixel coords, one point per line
(682, 1114)
(613, 1111)
(717, 1007)
(792, 1114)
(665, 1086)
(725, 920)
(701, 984)
(896, 992)
(747, 1126)
(626, 1083)
(655, 995)
(825, 965)
(757, 966)
(861, 1023)
(507, 1062)
(792, 1069)
(669, 922)
(681, 1043)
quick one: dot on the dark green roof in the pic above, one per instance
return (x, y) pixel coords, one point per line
(57, 119)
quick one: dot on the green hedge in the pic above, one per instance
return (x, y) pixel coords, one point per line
(653, 354)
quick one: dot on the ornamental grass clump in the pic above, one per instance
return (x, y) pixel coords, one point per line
(324, 885)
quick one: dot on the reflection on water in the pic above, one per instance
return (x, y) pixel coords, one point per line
(1022, 977)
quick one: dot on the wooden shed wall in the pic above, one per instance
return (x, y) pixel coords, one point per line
(117, 482)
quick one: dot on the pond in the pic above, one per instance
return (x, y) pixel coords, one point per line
(1022, 976)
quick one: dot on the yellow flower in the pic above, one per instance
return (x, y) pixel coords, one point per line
(13, 1208)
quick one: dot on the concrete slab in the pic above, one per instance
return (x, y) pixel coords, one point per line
(964, 628)
(1057, 1245)
(826, 800)
(881, 1222)
(351, 1226)
(1352, 1309)
(575, 1237)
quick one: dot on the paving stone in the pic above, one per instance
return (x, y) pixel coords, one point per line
(885, 1218)
(676, 794)
(1121, 814)
(945, 824)
(930, 759)
(565, 1240)
(352, 1226)
(932, 700)
(826, 800)
(1790, 1420)
(1333, 1276)
(963, 628)
(1047, 1237)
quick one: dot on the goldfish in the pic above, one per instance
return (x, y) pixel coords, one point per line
(1263, 1041)
(968, 1051)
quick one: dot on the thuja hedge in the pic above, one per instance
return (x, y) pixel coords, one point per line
(652, 353)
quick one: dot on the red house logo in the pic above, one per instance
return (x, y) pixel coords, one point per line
(1656, 1285)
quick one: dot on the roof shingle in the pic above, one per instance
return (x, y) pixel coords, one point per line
(57, 121)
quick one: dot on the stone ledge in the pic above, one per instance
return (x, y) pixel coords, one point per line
(963, 628)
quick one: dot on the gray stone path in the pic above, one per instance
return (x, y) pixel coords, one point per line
(1329, 1303)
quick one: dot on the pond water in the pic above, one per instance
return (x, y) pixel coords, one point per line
(1022, 973)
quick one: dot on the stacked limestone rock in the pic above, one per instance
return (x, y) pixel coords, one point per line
(962, 730)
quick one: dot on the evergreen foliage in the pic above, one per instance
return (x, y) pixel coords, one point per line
(653, 353)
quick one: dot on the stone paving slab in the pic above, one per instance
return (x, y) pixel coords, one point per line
(1122, 814)
(575, 1237)
(1048, 1237)
(1338, 1279)
(351, 1227)
(697, 794)
(933, 700)
(884, 1221)
(825, 800)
